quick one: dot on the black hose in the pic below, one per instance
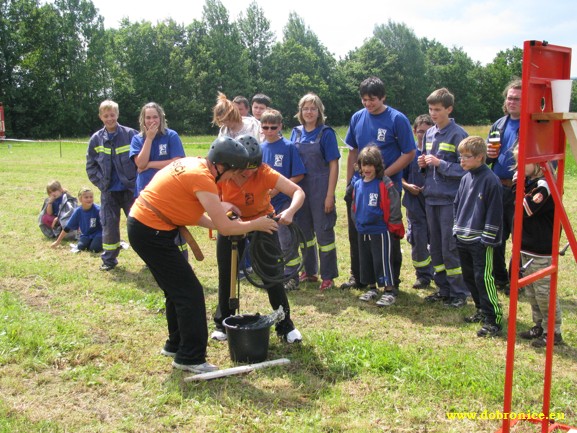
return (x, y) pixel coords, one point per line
(268, 259)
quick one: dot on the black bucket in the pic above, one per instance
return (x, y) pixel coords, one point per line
(246, 344)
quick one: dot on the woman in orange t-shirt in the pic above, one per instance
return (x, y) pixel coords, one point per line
(179, 195)
(249, 191)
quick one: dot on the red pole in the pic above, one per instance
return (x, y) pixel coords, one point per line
(2, 125)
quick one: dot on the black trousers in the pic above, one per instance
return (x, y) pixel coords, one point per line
(276, 293)
(396, 255)
(499, 262)
(185, 306)
(477, 268)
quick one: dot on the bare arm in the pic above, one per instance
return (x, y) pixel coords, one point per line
(224, 225)
(333, 177)
(401, 162)
(288, 187)
(295, 179)
(141, 160)
(58, 240)
(351, 161)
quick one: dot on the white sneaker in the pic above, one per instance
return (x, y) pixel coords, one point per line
(195, 368)
(386, 300)
(167, 353)
(294, 336)
(218, 335)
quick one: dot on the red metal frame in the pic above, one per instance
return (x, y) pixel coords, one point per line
(541, 140)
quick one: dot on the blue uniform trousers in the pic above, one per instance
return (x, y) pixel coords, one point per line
(444, 255)
(112, 202)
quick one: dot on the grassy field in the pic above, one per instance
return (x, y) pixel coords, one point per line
(79, 348)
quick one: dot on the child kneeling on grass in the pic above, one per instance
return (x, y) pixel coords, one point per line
(478, 212)
(536, 242)
(377, 214)
(85, 218)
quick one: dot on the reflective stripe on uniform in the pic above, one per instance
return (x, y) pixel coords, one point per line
(423, 263)
(454, 271)
(111, 247)
(327, 248)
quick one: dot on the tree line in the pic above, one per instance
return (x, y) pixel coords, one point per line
(58, 62)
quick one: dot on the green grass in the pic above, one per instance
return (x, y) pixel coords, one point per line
(79, 347)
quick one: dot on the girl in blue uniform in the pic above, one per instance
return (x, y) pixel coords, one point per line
(319, 151)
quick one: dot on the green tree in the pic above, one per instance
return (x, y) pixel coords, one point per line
(298, 65)
(506, 66)
(455, 70)
(151, 68)
(406, 92)
(257, 39)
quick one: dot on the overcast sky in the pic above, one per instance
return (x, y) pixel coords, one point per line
(481, 28)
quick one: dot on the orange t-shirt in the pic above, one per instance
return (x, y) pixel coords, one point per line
(172, 191)
(252, 198)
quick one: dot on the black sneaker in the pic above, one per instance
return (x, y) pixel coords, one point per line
(421, 284)
(292, 284)
(436, 297)
(489, 330)
(535, 332)
(503, 286)
(457, 302)
(542, 341)
(478, 317)
(352, 284)
(106, 267)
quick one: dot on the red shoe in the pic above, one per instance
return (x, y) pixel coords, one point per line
(304, 278)
(326, 284)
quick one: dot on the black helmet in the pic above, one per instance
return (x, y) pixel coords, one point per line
(254, 150)
(228, 152)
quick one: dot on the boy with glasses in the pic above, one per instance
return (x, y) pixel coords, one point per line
(283, 156)
(478, 225)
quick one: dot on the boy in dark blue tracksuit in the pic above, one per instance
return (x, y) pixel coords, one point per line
(478, 227)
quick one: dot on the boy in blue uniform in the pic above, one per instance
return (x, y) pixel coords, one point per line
(85, 218)
(377, 214)
(390, 130)
(282, 156)
(443, 174)
(414, 203)
(111, 170)
(478, 210)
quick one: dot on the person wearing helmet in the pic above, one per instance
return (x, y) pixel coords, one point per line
(179, 195)
(249, 192)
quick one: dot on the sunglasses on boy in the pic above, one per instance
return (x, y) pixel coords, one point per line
(272, 128)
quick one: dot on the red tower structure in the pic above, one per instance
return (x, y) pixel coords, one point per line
(542, 138)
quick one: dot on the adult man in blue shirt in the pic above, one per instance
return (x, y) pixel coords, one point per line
(390, 130)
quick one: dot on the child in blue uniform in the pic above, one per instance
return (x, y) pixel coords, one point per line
(281, 155)
(414, 203)
(86, 219)
(440, 165)
(478, 227)
(377, 214)
(56, 211)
